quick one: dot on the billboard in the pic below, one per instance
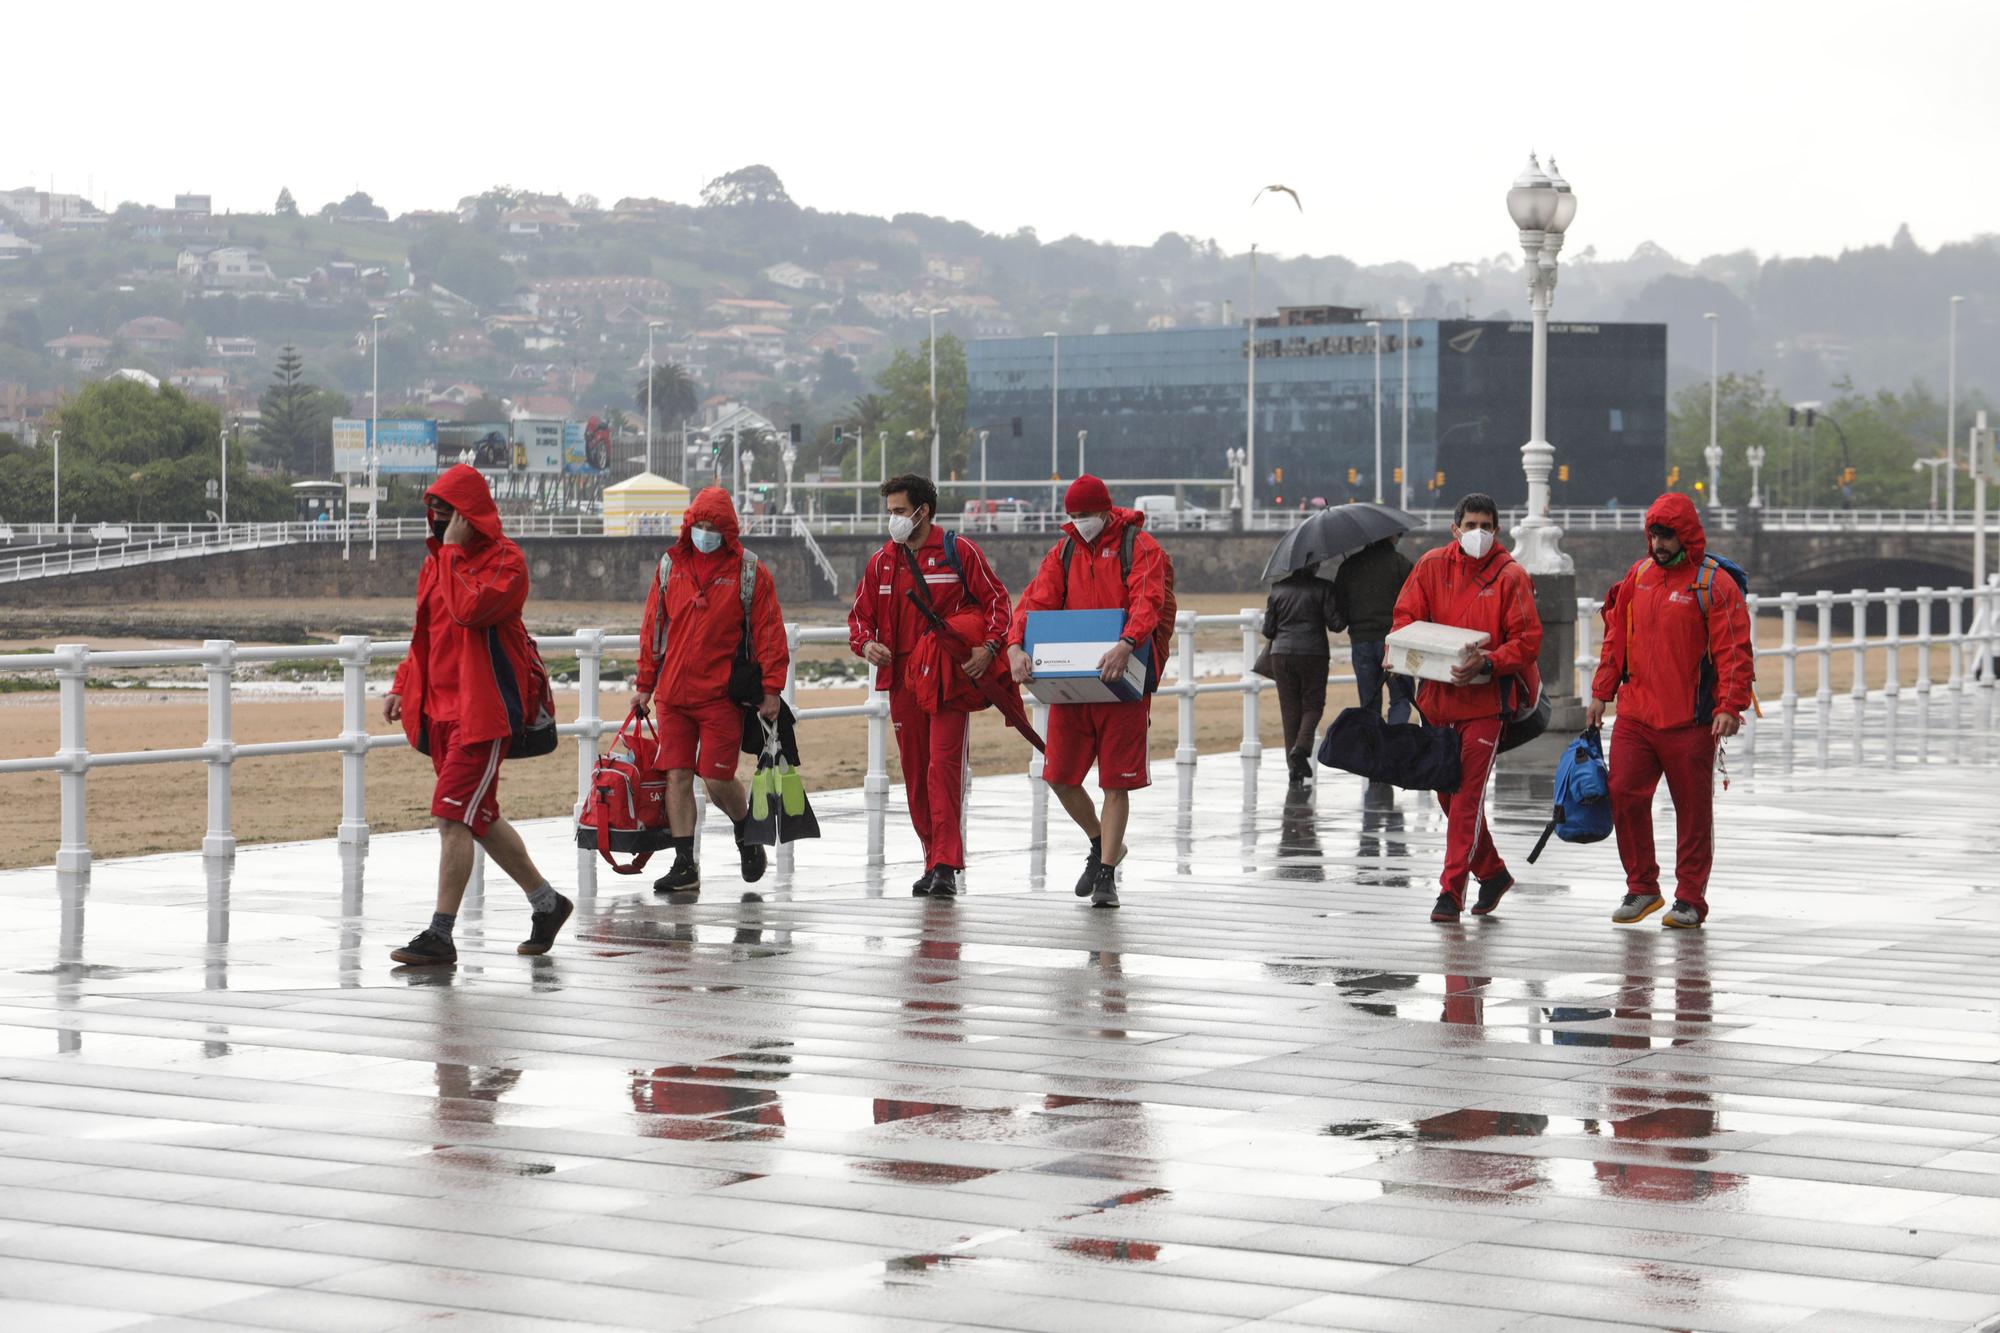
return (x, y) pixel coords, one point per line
(401, 446)
(586, 447)
(485, 445)
(538, 445)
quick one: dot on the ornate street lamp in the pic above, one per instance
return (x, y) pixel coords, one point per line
(1754, 455)
(1542, 207)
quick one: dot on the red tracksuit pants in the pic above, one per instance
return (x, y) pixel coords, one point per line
(1468, 843)
(1685, 756)
(933, 754)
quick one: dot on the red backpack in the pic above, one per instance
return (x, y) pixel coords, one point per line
(1163, 632)
(626, 808)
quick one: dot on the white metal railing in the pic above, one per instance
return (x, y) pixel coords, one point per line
(1964, 622)
(51, 561)
(219, 659)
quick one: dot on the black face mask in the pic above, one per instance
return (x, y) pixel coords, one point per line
(438, 525)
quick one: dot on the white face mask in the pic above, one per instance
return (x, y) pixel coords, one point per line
(1088, 528)
(1475, 542)
(901, 526)
(707, 540)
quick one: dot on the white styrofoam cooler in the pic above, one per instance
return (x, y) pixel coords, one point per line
(1429, 651)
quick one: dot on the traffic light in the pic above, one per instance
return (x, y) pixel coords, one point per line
(1847, 477)
(1700, 485)
(1353, 475)
(840, 434)
(1562, 472)
(1812, 415)
(1399, 476)
(1673, 476)
(1277, 475)
(1017, 428)
(1438, 485)
(1791, 416)
(795, 433)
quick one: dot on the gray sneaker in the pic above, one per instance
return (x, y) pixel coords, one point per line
(1682, 916)
(1104, 893)
(1637, 907)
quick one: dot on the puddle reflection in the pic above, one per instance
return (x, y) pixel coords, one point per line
(1300, 856)
(1382, 819)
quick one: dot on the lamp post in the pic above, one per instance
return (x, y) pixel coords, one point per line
(1714, 451)
(1236, 458)
(1542, 206)
(1754, 455)
(224, 490)
(789, 455)
(1250, 395)
(1375, 337)
(1403, 486)
(1055, 393)
(1951, 414)
(982, 464)
(374, 451)
(933, 313)
(55, 440)
(1081, 436)
(650, 327)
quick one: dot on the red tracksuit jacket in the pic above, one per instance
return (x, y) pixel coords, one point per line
(1495, 594)
(882, 613)
(705, 615)
(1095, 581)
(1656, 637)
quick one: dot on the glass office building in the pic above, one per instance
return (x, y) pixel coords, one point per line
(1167, 406)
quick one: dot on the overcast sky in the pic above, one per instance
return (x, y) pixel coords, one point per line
(1784, 127)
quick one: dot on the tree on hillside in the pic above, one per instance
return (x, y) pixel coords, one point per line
(746, 187)
(285, 416)
(484, 408)
(361, 205)
(288, 207)
(905, 385)
(675, 396)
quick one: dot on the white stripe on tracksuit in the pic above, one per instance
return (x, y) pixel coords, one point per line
(485, 785)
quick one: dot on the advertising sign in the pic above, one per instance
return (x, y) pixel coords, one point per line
(401, 446)
(538, 445)
(586, 447)
(482, 444)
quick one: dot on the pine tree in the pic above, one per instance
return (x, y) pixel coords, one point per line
(288, 207)
(286, 415)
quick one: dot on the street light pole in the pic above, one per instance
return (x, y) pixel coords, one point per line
(374, 449)
(651, 325)
(55, 439)
(1541, 207)
(1081, 436)
(224, 490)
(1754, 455)
(1714, 451)
(1951, 415)
(935, 465)
(982, 464)
(1375, 337)
(1055, 394)
(1403, 487)
(1250, 395)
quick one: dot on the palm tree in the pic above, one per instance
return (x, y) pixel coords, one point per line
(675, 396)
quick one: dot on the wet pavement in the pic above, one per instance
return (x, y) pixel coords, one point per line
(1267, 1092)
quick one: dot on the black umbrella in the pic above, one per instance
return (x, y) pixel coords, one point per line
(1333, 533)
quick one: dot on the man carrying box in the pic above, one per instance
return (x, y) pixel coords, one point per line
(1473, 584)
(1104, 562)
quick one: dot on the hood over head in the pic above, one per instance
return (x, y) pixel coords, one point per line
(1676, 511)
(464, 489)
(711, 504)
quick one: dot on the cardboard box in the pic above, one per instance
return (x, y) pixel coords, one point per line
(1429, 651)
(1064, 648)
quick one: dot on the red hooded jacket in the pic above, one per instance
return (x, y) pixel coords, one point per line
(1495, 594)
(1666, 663)
(882, 613)
(1096, 582)
(502, 687)
(705, 615)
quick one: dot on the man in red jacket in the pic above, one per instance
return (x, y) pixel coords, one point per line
(1677, 657)
(1086, 571)
(1473, 584)
(884, 629)
(687, 642)
(471, 685)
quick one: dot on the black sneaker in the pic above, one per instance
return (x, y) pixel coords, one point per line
(428, 949)
(944, 882)
(542, 927)
(922, 888)
(754, 860)
(684, 876)
(1104, 890)
(1086, 884)
(1491, 891)
(1445, 909)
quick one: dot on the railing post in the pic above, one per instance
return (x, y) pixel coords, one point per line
(1823, 669)
(1858, 687)
(1892, 605)
(220, 843)
(589, 669)
(1954, 599)
(1788, 702)
(875, 784)
(1185, 750)
(1253, 737)
(1588, 625)
(1925, 596)
(354, 660)
(73, 852)
(1751, 723)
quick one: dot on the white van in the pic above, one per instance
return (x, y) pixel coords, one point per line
(1165, 514)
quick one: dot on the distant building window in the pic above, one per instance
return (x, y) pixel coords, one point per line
(1617, 419)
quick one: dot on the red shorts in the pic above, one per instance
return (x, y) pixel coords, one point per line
(468, 777)
(704, 737)
(1112, 736)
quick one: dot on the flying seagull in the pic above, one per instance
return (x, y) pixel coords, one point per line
(1281, 189)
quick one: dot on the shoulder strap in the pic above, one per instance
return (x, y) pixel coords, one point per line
(660, 619)
(1127, 539)
(746, 587)
(1548, 830)
(918, 588)
(952, 558)
(1068, 549)
(1704, 583)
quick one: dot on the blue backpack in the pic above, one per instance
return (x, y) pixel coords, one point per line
(1582, 796)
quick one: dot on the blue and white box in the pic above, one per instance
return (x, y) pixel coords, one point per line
(1064, 648)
